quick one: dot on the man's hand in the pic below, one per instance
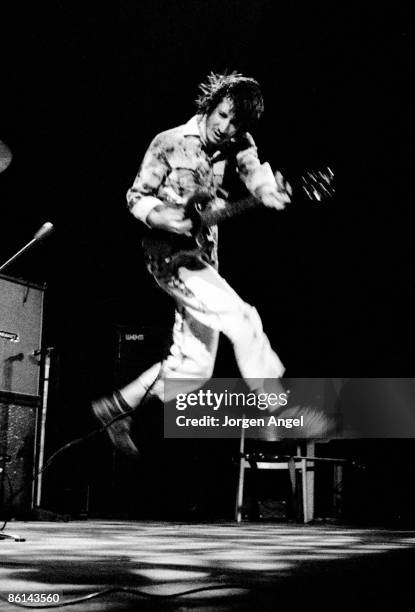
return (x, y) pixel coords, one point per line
(275, 196)
(169, 219)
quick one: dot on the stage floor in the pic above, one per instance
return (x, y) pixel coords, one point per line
(266, 566)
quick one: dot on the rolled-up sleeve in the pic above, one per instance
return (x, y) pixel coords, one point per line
(142, 197)
(252, 173)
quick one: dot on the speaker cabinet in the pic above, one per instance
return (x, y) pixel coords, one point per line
(21, 310)
(117, 488)
(18, 418)
(138, 348)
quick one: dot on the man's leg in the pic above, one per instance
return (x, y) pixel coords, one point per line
(206, 305)
(210, 300)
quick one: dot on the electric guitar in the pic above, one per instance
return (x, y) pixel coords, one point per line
(204, 212)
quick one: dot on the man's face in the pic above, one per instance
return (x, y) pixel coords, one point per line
(220, 124)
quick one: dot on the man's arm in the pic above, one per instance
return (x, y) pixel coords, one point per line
(259, 179)
(142, 198)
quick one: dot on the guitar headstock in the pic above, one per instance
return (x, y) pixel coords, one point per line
(318, 185)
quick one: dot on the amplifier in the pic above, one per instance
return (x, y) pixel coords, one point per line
(21, 312)
(138, 348)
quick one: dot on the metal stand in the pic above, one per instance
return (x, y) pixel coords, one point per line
(37, 497)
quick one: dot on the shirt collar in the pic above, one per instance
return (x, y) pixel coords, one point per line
(196, 126)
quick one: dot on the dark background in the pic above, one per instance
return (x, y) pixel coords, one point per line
(84, 90)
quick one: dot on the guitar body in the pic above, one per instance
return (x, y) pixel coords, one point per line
(166, 251)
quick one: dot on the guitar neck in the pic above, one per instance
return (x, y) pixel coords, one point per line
(314, 186)
(230, 209)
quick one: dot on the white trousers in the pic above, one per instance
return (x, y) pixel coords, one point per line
(207, 305)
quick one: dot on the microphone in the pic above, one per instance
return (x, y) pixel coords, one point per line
(46, 229)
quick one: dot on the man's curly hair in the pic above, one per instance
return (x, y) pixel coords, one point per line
(244, 92)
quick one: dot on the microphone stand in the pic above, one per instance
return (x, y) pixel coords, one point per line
(45, 356)
(16, 255)
(45, 230)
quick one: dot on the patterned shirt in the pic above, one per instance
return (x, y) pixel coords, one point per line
(177, 164)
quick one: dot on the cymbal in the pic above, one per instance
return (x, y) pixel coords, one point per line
(5, 156)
